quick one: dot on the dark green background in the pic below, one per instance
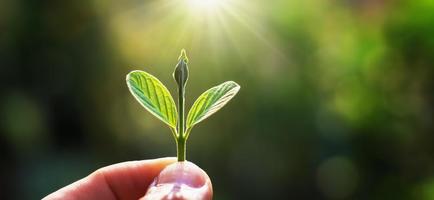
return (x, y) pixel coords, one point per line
(336, 99)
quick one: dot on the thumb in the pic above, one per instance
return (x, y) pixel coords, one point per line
(179, 181)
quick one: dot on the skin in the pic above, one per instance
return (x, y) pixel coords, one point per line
(162, 178)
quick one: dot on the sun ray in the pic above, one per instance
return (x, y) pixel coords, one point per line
(258, 30)
(213, 26)
(227, 33)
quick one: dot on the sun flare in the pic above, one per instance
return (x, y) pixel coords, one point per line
(203, 4)
(219, 26)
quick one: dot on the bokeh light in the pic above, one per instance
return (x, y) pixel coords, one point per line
(336, 97)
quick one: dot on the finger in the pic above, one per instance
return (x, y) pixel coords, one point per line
(127, 180)
(179, 181)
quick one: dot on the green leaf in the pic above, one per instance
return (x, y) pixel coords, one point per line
(211, 101)
(153, 95)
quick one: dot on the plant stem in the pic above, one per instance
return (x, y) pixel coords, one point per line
(181, 148)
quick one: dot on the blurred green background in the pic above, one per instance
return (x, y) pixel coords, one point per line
(336, 102)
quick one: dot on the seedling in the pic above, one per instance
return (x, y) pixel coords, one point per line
(155, 98)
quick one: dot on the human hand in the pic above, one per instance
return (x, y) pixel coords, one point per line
(162, 178)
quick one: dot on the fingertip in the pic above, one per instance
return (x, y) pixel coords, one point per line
(181, 180)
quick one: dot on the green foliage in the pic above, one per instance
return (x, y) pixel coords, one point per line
(211, 101)
(155, 97)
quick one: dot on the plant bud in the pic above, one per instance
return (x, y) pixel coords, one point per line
(181, 70)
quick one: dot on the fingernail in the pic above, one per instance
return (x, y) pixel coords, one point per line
(181, 180)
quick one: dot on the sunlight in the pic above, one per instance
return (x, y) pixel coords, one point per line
(221, 27)
(204, 6)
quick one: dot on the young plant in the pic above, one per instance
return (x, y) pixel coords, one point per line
(155, 98)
